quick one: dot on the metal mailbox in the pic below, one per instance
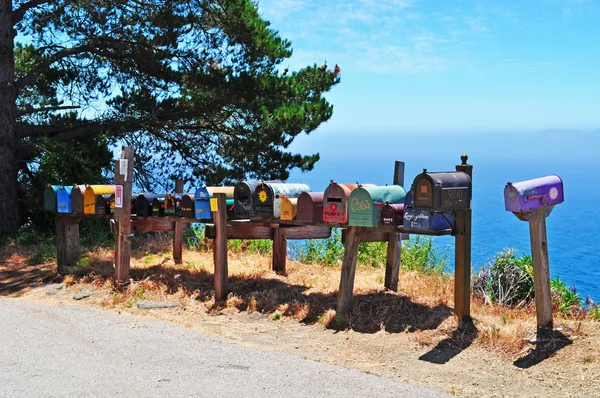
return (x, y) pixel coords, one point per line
(228, 191)
(242, 195)
(133, 204)
(267, 197)
(172, 204)
(50, 192)
(526, 196)
(158, 206)
(365, 203)
(442, 191)
(335, 202)
(77, 198)
(424, 220)
(187, 206)
(94, 201)
(310, 207)
(202, 204)
(143, 203)
(289, 207)
(63, 199)
(392, 214)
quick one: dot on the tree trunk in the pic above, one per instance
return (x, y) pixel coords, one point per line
(8, 141)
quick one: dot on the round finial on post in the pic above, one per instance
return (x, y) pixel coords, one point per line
(464, 158)
(424, 170)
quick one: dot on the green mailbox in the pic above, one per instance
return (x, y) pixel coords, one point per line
(50, 203)
(365, 204)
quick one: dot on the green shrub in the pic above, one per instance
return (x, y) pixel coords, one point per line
(507, 280)
(328, 251)
(594, 313)
(420, 254)
(372, 253)
(565, 298)
(262, 246)
(195, 236)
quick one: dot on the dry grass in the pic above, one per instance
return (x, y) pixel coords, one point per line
(306, 293)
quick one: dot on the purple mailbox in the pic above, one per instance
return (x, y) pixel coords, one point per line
(526, 196)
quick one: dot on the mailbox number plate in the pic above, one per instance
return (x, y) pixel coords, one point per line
(455, 197)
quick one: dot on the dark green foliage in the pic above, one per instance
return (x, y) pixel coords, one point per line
(507, 280)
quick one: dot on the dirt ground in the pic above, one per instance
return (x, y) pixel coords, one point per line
(464, 362)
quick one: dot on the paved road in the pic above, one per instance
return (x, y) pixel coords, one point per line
(68, 351)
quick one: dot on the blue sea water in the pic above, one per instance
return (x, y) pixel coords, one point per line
(572, 228)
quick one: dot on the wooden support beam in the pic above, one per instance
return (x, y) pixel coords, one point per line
(68, 247)
(123, 177)
(178, 231)
(392, 267)
(399, 173)
(348, 270)
(220, 245)
(462, 257)
(252, 231)
(279, 250)
(541, 271)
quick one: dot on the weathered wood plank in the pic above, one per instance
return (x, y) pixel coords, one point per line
(68, 247)
(392, 266)
(178, 231)
(462, 257)
(251, 231)
(541, 270)
(123, 176)
(279, 250)
(220, 247)
(369, 235)
(348, 270)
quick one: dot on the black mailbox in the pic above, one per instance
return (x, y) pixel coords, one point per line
(442, 191)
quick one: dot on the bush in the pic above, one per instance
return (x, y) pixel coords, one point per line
(565, 298)
(328, 251)
(420, 254)
(508, 280)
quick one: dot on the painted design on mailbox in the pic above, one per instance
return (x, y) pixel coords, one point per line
(262, 196)
(357, 206)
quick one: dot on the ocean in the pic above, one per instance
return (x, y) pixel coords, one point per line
(497, 158)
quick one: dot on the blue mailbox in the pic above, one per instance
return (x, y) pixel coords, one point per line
(63, 199)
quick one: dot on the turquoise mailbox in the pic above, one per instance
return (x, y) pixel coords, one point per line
(365, 204)
(50, 197)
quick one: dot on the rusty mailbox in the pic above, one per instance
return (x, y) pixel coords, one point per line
(242, 195)
(267, 197)
(392, 214)
(524, 197)
(77, 192)
(63, 199)
(365, 203)
(442, 191)
(50, 192)
(335, 202)
(310, 207)
(96, 199)
(289, 208)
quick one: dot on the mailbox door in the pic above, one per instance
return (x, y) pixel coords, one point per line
(335, 202)
(144, 204)
(158, 206)
(101, 205)
(310, 207)
(77, 199)
(50, 202)
(426, 221)
(242, 196)
(171, 204)
(442, 191)
(90, 195)
(288, 208)
(263, 201)
(112, 204)
(230, 203)
(360, 208)
(187, 206)
(63, 199)
(392, 214)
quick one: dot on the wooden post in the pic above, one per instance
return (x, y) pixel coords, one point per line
(392, 267)
(220, 245)
(123, 177)
(462, 257)
(67, 241)
(348, 270)
(279, 250)
(178, 231)
(541, 270)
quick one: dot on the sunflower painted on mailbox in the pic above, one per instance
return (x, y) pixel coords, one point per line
(63, 199)
(310, 207)
(268, 196)
(365, 204)
(243, 193)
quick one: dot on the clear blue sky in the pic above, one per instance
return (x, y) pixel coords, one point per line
(450, 66)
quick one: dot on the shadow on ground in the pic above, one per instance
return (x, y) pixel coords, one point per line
(547, 345)
(450, 347)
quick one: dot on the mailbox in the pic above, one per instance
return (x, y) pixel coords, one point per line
(133, 204)
(288, 208)
(202, 204)
(310, 207)
(187, 206)
(442, 191)
(228, 191)
(267, 197)
(424, 220)
(392, 214)
(365, 203)
(63, 199)
(526, 196)
(242, 195)
(172, 204)
(143, 203)
(50, 192)
(77, 199)
(94, 201)
(158, 206)
(335, 202)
